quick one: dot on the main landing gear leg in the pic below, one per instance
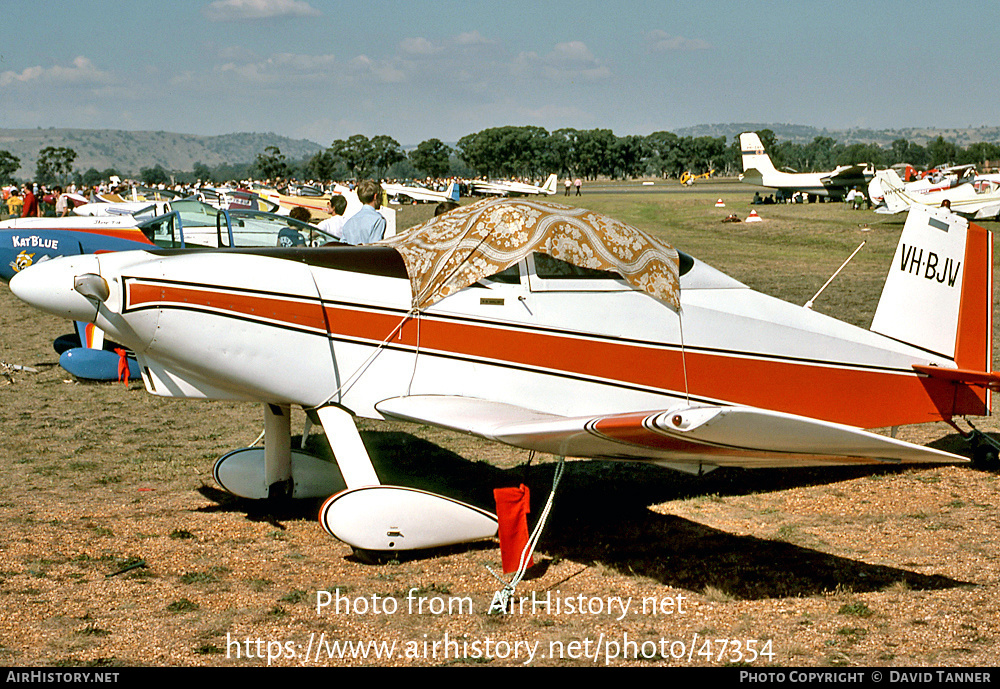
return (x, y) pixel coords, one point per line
(375, 519)
(278, 451)
(276, 471)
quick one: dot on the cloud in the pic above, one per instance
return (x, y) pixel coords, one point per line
(662, 42)
(383, 71)
(284, 68)
(473, 38)
(418, 46)
(81, 72)
(570, 60)
(240, 10)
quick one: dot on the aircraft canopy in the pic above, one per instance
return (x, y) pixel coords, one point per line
(454, 250)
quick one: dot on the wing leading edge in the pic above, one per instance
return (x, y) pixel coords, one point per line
(686, 437)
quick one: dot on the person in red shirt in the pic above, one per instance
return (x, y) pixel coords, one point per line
(30, 207)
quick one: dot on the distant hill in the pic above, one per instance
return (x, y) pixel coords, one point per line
(801, 134)
(129, 152)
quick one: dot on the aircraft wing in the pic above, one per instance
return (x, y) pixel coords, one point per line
(853, 174)
(686, 437)
(986, 212)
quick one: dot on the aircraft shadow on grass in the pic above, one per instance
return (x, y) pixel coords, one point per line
(600, 515)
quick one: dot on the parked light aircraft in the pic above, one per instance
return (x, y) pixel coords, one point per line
(935, 180)
(29, 241)
(759, 170)
(545, 327)
(515, 188)
(418, 194)
(976, 202)
(310, 198)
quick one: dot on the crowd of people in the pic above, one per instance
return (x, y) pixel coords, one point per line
(26, 200)
(368, 225)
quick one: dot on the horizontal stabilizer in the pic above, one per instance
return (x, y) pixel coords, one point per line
(965, 376)
(699, 434)
(753, 176)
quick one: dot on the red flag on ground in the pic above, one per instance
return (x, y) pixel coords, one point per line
(513, 505)
(122, 365)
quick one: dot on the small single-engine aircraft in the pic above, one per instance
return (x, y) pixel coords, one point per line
(312, 199)
(506, 188)
(420, 194)
(545, 327)
(927, 182)
(980, 202)
(137, 201)
(29, 241)
(226, 198)
(759, 170)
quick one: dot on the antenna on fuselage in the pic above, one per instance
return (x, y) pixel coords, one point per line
(809, 304)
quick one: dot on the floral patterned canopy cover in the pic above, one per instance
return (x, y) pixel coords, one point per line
(454, 250)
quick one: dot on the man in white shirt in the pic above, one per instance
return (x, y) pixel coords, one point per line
(334, 225)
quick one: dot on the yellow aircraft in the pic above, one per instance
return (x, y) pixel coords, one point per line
(688, 179)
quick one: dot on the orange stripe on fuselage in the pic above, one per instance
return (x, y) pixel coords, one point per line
(831, 391)
(130, 233)
(293, 312)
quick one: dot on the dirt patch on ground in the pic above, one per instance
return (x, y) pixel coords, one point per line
(118, 550)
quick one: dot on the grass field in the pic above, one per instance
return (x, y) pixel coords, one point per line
(118, 550)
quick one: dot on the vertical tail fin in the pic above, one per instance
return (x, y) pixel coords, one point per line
(938, 295)
(453, 191)
(896, 198)
(754, 157)
(550, 185)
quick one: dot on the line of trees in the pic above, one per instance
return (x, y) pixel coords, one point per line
(824, 153)
(533, 152)
(527, 152)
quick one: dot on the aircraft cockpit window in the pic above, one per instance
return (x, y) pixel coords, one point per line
(547, 274)
(253, 228)
(549, 268)
(162, 231)
(510, 276)
(686, 263)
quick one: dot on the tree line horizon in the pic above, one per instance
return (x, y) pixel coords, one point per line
(526, 152)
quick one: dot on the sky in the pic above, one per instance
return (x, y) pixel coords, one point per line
(324, 70)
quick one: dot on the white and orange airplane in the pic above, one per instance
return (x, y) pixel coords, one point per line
(545, 327)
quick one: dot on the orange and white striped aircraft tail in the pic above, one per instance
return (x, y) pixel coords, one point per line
(938, 296)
